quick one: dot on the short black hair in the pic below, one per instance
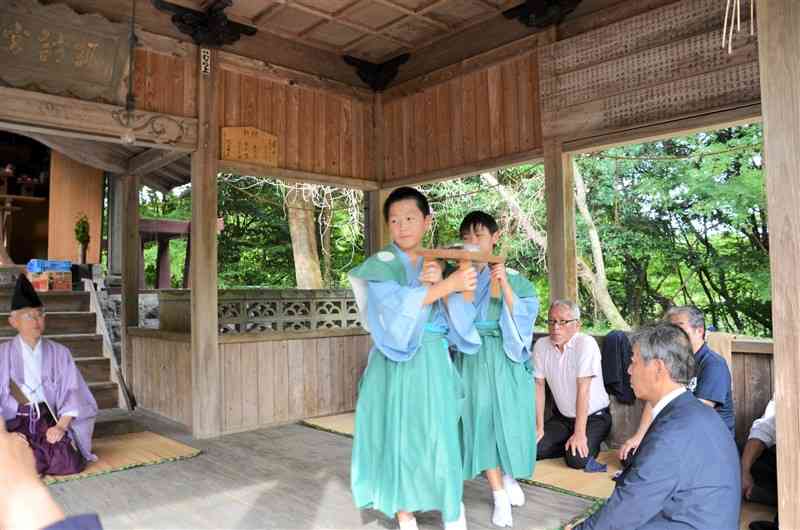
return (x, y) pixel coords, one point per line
(402, 194)
(475, 219)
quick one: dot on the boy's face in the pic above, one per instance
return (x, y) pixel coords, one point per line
(407, 224)
(481, 237)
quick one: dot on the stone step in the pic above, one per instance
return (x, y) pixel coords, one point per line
(81, 345)
(54, 301)
(105, 393)
(94, 369)
(116, 421)
(63, 322)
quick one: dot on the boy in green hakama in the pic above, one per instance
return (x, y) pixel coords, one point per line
(406, 453)
(498, 427)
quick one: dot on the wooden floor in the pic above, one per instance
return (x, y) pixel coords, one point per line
(291, 477)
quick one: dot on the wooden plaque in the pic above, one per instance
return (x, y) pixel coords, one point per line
(55, 50)
(248, 144)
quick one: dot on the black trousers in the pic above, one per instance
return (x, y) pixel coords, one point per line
(558, 429)
(765, 476)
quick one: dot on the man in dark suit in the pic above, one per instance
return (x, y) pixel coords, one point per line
(685, 474)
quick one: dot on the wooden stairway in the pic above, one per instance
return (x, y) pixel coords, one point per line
(71, 322)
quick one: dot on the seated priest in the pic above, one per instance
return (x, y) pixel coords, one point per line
(42, 394)
(686, 471)
(569, 363)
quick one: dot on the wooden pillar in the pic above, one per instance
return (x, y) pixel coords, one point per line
(115, 222)
(206, 366)
(561, 252)
(376, 227)
(778, 42)
(131, 252)
(163, 265)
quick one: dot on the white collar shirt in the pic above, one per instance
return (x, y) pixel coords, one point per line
(580, 358)
(666, 400)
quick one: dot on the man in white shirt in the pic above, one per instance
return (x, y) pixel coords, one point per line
(570, 363)
(759, 465)
(685, 473)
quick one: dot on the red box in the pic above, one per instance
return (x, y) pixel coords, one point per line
(40, 280)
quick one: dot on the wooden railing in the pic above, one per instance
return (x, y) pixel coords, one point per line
(108, 347)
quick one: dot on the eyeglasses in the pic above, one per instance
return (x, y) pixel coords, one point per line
(35, 315)
(561, 322)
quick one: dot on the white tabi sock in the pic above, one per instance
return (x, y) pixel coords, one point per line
(502, 510)
(458, 524)
(515, 493)
(408, 525)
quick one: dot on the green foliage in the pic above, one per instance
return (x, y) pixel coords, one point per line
(681, 221)
(82, 229)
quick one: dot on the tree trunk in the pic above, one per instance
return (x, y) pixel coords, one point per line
(599, 292)
(302, 228)
(600, 282)
(327, 262)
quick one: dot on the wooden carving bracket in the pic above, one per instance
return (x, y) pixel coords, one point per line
(377, 76)
(210, 28)
(541, 13)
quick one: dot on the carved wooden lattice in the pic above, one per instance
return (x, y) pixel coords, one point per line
(266, 310)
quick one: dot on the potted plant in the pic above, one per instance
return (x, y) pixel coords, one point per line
(82, 235)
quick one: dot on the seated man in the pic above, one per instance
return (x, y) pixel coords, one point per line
(711, 384)
(685, 473)
(42, 394)
(759, 465)
(569, 362)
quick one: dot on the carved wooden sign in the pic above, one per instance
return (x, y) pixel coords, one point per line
(248, 144)
(55, 50)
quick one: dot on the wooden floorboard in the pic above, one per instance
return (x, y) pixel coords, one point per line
(291, 477)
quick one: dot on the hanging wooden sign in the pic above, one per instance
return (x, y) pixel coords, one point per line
(53, 49)
(248, 144)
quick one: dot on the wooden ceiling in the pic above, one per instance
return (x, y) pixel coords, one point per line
(372, 30)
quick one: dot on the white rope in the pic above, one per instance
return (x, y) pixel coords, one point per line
(733, 15)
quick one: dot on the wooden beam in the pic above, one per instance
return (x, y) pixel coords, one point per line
(94, 154)
(475, 37)
(561, 251)
(263, 45)
(163, 226)
(780, 83)
(489, 164)
(288, 76)
(131, 250)
(378, 161)
(206, 362)
(151, 160)
(56, 115)
(496, 56)
(292, 175)
(667, 129)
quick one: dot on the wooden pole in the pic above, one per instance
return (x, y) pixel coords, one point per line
(561, 251)
(163, 265)
(778, 43)
(206, 367)
(131, 251)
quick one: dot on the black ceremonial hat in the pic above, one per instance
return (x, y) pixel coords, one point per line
(24, 294)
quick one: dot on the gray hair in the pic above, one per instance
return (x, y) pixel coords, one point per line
(569, 304)
(670, 344)
(695, 317)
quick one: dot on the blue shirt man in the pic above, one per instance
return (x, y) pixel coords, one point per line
(713, 383)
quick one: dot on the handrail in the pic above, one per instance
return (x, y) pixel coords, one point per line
(108, 346)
